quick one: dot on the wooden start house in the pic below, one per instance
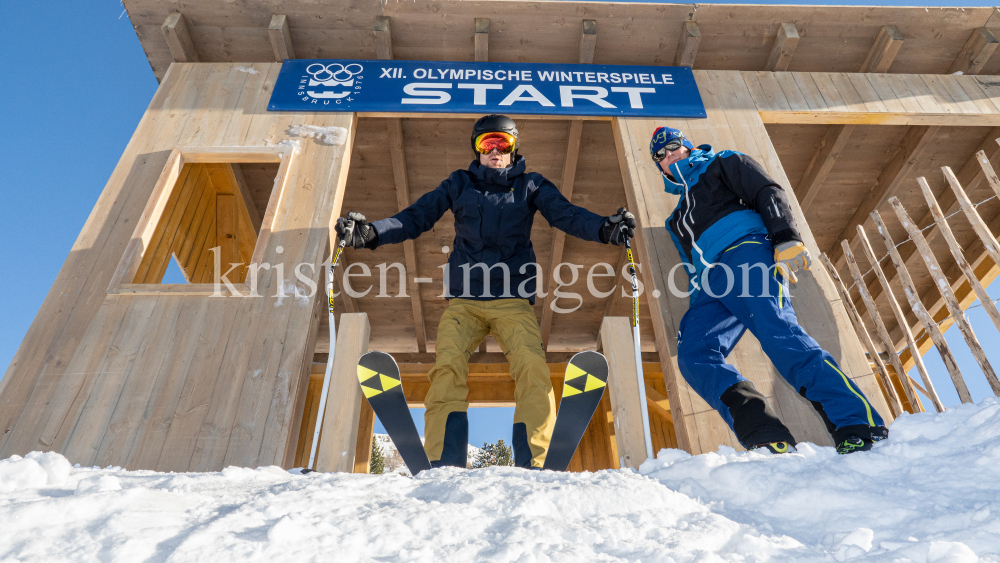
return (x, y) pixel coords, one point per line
(855, 110)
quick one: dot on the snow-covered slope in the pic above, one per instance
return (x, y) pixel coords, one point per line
(931, 493)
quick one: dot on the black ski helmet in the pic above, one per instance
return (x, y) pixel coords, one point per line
(494, 123)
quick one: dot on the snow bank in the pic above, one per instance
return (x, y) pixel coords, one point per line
(929, 494)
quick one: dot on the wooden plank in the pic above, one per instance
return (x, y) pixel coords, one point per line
(883, 51)
(175, 31)
(900, 167)
(976, 52)
(913, 297)
(822, 163)
(900, 319)
(624, 391)
(687, 45)
(588, 41)
(559, 237)
(859, 281)
(482, 39)
(397, 152)
(658, 404)
(859, 328)
(783, 49)
(281, 38)
(383, 38)
(366, 433)
(340, 423)
(956, 249)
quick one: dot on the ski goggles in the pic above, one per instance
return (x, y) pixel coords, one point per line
(659, 155)
(497, 140)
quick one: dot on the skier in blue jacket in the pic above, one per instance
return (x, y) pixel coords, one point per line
(490, 278)
(739, 242)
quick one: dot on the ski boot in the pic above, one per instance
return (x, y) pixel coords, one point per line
(859, 438)
(775, 448)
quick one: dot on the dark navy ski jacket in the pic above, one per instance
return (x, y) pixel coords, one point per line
(725, 196)
(494, 210)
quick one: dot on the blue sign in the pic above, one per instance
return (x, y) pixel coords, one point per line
(455, 87)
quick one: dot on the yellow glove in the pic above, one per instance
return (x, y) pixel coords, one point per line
(789, 257)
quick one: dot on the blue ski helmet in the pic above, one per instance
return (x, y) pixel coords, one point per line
(663, 136)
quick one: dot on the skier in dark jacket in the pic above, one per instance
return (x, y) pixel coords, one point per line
(735, 232)
(490, 277)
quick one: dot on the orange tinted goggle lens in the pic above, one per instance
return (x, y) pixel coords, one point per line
(502, 142)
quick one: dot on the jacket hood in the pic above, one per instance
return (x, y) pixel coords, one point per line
(700, 155)
(501, 177)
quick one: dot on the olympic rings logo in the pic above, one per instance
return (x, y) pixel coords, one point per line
(333, 71)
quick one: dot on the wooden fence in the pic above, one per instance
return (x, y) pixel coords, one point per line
(903, 382)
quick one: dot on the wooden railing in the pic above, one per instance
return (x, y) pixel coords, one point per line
(930, 327)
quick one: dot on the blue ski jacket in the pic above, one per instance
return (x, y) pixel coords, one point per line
(725, 196)
(494, 210)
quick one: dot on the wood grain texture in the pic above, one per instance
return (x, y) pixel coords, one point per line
(623, 389)
(281, 38)
(339, 438)
(175, 31)
(887, 44)
(783, 49)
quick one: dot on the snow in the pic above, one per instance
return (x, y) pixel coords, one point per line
(928, 494)
(394, 462)
(329, 135)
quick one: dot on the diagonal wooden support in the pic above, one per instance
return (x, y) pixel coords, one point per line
(281, 38)
(902, 163)
(559, 237)
(913, 297)
(859, 281)
(976, 52)
(394, 132)
(884, 50)
(175, 31)
(687, 45)
(822, 163)
(866, 340)
(897, 312)
(783, 49)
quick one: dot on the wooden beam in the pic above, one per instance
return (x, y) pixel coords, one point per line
(822, 163)
(784, 48)
(913, 296)
(397, 152)
(658, 403)
(175, 31)
(897, 312)
(339, 438)
(281, 38)
(612, 301)
(900, 166)
(616, 336)
(394, 127)
(588, 41)
(366, 432)
(559, 237)
(687, 46)
(976, 53)
(482, 39)
(383, 38)
(884, 50)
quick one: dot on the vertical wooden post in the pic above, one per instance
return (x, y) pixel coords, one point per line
(366, 432)
(687, 45)
(588, 41)
(616, 337)
(784, 47)
(954, 308)
(956, 252)
(175, 31)
(900, 318)
(482, 39)
(913, 297)
(343, 413)
(859, 280)
(281, 38)
(859, 327)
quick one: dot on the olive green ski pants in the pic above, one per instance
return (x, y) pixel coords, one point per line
(462, 328)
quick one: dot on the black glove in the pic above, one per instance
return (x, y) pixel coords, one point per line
(361, 236)
(615, 228)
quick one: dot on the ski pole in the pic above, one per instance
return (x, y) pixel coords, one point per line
(333, 345)
(638, 349)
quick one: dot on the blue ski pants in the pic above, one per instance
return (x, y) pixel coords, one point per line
(713, 326)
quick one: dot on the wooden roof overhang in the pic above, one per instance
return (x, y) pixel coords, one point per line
(841, 166)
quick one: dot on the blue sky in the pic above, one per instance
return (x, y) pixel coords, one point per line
(75, 84)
